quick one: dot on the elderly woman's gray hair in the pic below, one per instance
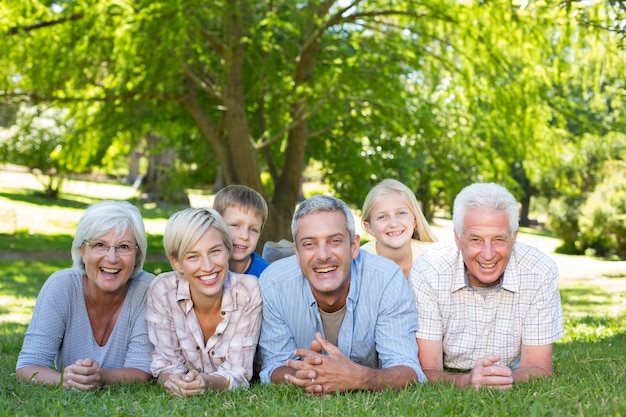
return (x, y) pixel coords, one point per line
(104, 217)
(323, 203)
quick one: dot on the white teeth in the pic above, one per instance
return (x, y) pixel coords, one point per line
(208, 278)
(324, 270)
(110, 271)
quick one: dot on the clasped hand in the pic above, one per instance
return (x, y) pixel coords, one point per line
(323, 369)
(488, 373)
(83, 375)
(186, 385)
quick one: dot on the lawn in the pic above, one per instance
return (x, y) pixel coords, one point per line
(589, 363)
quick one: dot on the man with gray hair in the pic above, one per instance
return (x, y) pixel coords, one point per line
(336, 319)
(488, 306)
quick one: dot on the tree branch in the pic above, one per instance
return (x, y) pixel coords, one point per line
(17, 29)
(206, 84)
(219, 46)
(69, 99)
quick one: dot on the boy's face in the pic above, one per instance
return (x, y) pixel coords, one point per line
(244, 228)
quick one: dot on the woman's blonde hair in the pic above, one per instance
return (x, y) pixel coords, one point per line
(185, 228)
(422, 230)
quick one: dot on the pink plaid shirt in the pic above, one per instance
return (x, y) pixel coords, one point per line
(177, 337)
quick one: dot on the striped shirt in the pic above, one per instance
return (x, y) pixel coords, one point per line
(178, 340)
(524, 309)
(378, 329)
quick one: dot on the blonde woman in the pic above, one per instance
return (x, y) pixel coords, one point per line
(392, 216)
(203, 320)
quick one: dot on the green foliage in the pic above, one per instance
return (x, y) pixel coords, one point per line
(37, 141)
(588, 215)
(563, 215)
(603, 216)
(590, 17)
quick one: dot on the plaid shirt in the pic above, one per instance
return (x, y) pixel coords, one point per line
(524, 309)
(178, 340)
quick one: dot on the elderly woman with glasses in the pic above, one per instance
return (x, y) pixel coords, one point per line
(89, 326)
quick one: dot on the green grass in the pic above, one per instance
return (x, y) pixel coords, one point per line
(589, 362)
(589, 381)
(23, 241)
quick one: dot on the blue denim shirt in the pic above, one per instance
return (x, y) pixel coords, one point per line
(378, 329)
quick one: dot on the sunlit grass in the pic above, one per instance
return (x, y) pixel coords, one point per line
(580, 299)
(16, 309)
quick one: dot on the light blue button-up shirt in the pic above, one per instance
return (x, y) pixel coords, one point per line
(378, 329)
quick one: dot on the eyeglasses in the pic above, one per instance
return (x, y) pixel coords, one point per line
(99, 248)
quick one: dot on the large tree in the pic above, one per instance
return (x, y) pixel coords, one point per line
(435, 93)
(259, 79)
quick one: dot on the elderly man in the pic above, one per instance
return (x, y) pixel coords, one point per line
(489, 307)
(336, 319)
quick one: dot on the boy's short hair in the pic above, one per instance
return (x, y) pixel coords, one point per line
(240, 196)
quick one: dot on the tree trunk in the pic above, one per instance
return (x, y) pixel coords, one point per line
(231, 138)
(160, 183)
(287, 189)
(519, 174)
(525, 210)
(133, 165)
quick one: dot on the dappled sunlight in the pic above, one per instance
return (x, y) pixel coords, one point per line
(23, 278)
(16, 309)
(593, 328)
(594, 297)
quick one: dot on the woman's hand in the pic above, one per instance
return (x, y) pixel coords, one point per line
(84, 375)
(186, 385)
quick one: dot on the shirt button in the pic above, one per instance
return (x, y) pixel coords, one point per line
(213, 352)
(223, 313)
(219, 334)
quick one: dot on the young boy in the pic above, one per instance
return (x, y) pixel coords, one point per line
(244, 210)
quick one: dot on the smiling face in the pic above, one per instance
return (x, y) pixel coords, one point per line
(205, 266)
(109, 272)
(325, 253)
(486, 245)
(391, 222)
(244, 228)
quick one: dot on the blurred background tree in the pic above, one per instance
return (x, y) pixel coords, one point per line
(437, 94)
